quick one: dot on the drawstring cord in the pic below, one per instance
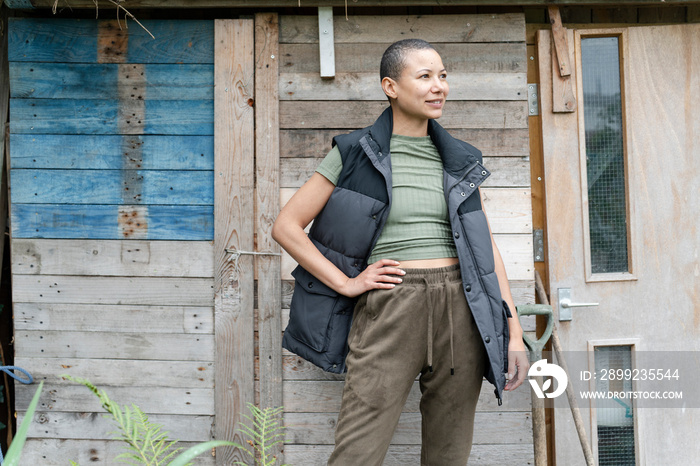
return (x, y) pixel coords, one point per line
(449, 317)
(430, 327)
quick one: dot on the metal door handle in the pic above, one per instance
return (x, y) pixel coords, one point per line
(566, 303)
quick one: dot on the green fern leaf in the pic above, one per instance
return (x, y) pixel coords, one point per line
(197, 450)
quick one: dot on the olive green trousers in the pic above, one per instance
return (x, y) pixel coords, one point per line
(422, 328)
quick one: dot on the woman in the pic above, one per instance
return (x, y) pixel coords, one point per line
(400, 248)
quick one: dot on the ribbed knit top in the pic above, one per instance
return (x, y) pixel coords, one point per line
(418, 226)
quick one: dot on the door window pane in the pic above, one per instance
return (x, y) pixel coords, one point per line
(615, 416)
(605, 165)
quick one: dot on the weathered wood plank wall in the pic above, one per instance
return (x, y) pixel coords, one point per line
(486, 60)
(112, 148)
(137, 316)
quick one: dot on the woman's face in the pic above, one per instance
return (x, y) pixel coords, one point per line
(422, 88)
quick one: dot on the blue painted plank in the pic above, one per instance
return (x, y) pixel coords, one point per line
(176, 41)
(62, 80)
(75, 41)
(195, 223)
(100, 81)
(148, 187)
(112, 152)
(89, 116)
(52, 39)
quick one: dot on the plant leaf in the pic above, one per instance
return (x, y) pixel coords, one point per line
(15, 450)
(197, 450)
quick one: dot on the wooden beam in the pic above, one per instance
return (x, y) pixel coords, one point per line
(4, 187)
(326, 41)
(267, 202)
(560, 44)
(363, 30)
(136, 4)
(234, 226)
(563, 97)
(4, 107)
(267, 198)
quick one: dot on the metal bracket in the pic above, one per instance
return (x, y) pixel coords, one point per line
(538, 244)
(326, 46)
(533, 99)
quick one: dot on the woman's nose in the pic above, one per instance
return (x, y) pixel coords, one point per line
(439, 85)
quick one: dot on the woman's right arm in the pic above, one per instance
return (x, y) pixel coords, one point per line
(288, 231)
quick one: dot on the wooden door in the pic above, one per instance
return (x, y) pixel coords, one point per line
(643, 273)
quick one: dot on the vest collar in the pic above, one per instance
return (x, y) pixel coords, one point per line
(456, 156)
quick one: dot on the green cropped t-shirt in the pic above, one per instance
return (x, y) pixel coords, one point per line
(418, 226)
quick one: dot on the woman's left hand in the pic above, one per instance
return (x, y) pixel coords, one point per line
(518, 363)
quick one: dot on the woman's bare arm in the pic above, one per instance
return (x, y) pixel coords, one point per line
(288, 231)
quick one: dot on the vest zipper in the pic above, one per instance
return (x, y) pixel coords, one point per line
(464, 233)
(471, 252)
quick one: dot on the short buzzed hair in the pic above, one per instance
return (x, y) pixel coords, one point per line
(394, 58)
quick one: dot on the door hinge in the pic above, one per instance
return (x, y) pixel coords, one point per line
(532, 99)
(538, 245)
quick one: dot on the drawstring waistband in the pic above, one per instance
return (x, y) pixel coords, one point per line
(443, 276)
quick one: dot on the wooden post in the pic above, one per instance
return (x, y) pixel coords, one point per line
(560, 44)
(267, 267)
(4, 156)
(563, 98)
(233, 229)
(267, 208)
(4, 181)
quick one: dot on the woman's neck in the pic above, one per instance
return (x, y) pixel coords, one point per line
(407, 127)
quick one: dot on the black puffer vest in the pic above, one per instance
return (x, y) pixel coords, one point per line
(348, 227)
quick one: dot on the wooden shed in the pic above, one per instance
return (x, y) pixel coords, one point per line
(145, 173)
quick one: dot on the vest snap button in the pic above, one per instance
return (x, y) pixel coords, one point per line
(311, 284)
(483, 172)
(468, 288)
(487, 339)
(456, 234)
(471, 185)
(374, 217)
(463, 194)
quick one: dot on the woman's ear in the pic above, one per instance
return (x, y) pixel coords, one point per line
(389, 87)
